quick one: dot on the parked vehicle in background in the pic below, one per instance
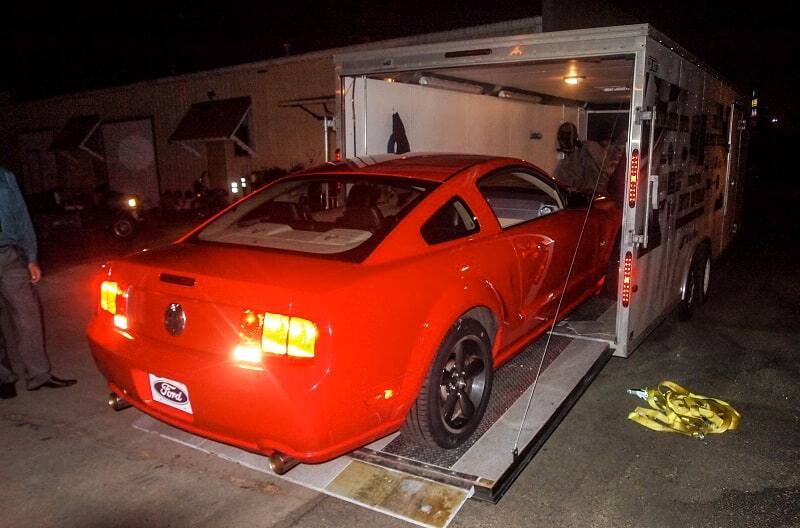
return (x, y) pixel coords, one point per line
(62, 210)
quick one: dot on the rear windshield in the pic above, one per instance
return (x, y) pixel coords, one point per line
(336, 216)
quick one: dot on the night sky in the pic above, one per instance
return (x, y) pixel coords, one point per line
(73, 46)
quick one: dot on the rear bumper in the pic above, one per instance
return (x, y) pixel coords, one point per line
(289, 406)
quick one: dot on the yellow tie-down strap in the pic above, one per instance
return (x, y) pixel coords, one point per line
(674, 409)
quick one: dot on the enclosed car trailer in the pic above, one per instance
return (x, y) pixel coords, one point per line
(680, 128)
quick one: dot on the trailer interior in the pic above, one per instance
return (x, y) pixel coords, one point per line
(502, 109)
(507, 110)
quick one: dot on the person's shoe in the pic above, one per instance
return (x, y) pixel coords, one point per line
(8, 391)
(55, 383)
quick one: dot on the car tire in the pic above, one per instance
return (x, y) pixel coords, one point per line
(696, 287)
(123, 227)
(456, 390)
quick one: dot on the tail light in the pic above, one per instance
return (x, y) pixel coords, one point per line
(337, 156)
(114, 300)
(627, 275)
(634, 179)
(280, 335)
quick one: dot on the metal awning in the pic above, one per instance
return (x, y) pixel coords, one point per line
(80, 133)
(218, 120)
(325, 104)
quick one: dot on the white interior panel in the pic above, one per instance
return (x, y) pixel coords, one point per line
(439, 120)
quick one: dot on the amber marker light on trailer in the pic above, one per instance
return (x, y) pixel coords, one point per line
(627, 277)
(634, 180)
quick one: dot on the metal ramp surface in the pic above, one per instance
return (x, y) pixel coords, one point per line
(427, 486)
(594, 320)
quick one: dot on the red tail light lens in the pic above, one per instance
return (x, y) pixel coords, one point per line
(627, 277)
(634, 179)
(114, 300)
(337, 156)
(280, 335)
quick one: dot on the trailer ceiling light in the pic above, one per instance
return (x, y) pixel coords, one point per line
(519, 96)
(634, 179)
(446, 84)
(627, 277)
(574, 79)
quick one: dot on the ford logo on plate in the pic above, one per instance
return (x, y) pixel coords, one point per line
(170, 391)
(174, 319)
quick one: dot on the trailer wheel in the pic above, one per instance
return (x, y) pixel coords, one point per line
(696, 287)
(705, 275)
(456, 390)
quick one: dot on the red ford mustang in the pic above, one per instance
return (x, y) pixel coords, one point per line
(340, 304)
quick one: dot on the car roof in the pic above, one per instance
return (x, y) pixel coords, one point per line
(436, 167)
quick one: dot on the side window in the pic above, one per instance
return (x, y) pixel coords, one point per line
(519, 196)
(453, 220)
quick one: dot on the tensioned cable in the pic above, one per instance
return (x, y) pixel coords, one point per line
(515, 450)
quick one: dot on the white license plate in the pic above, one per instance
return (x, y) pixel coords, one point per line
(170, 392)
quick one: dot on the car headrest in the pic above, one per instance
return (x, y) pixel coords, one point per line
(283, 212)
(365, 218)
(363, 195)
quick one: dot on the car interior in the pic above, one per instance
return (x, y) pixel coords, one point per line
(517, 197)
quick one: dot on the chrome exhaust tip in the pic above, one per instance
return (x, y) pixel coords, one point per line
(281, 463)
(116, 402)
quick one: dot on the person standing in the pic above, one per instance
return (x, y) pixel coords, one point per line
(19, 271)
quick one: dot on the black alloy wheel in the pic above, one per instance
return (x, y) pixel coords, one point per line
(462, 383)
(454, 395)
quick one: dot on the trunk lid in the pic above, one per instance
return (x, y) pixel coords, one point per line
(213, 285)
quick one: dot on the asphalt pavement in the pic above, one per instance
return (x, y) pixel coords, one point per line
(67, 460)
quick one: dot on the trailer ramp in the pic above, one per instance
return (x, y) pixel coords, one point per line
(428, 486)
(594, 320)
